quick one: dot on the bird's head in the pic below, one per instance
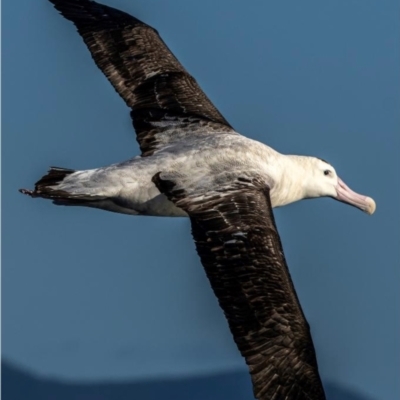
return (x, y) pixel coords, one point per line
(323, 181)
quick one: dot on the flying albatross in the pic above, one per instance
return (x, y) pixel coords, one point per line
(194, 164)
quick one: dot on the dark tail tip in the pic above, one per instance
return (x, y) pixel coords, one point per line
(27, 192)
(46, 186)
(54, 175)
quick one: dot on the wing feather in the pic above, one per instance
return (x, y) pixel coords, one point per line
(240, 249)
(164, 99)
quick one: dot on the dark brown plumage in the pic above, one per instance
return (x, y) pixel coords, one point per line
(239, 246)
(162, 96)
(233, 226)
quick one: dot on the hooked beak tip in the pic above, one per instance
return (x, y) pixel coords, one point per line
(346, 195)
(371, 206)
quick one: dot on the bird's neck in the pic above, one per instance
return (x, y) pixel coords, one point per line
(292, 184)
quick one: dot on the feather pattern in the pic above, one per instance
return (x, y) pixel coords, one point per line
(166, 102)
(239, 246)
(228, 194)
(225, 183)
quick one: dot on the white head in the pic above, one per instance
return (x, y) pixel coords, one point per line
(322, 180)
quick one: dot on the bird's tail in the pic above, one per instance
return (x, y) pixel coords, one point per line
(48, 187)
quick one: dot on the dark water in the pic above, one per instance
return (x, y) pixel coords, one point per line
(18, 384)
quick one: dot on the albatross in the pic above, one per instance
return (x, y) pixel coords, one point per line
(194, 164)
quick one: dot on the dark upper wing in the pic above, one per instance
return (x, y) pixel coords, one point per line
(239, 246)
(165, 100)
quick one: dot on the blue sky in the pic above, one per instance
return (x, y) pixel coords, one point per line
(91, 295)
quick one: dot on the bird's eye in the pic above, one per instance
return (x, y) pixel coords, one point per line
(327, 172)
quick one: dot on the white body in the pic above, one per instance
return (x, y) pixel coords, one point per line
(130, 190)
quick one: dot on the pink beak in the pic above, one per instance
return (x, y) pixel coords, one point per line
(346, 195)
